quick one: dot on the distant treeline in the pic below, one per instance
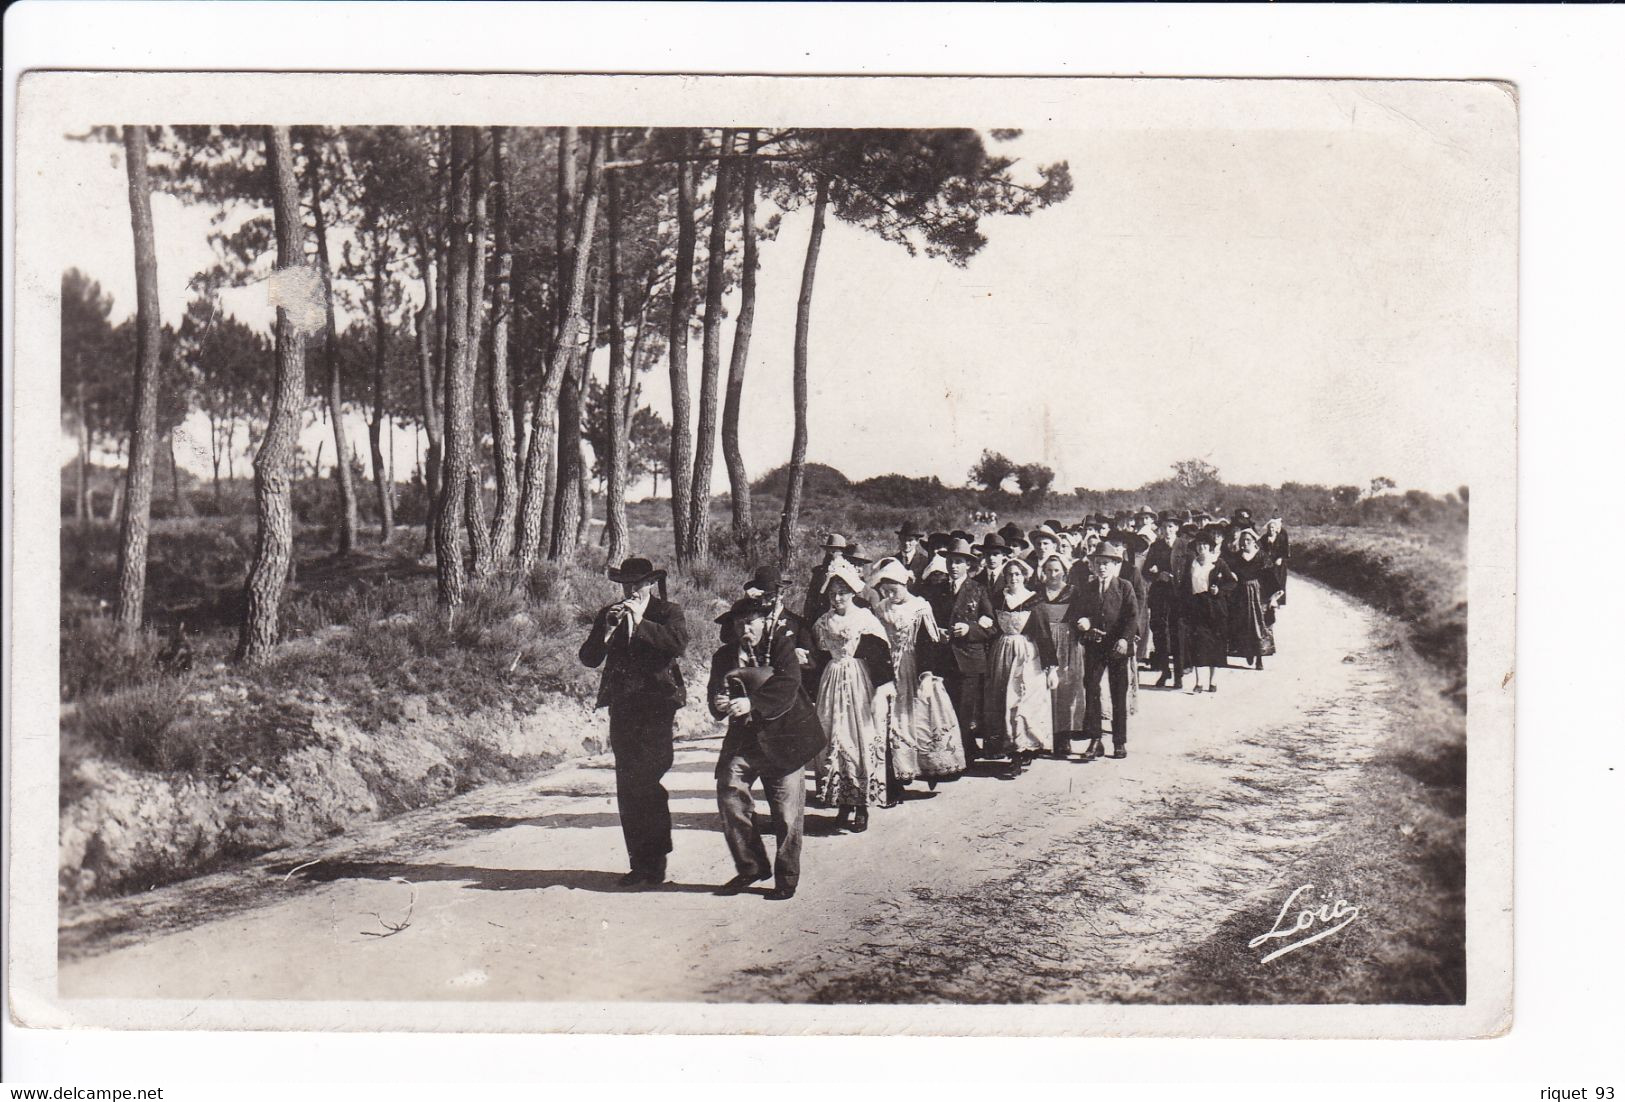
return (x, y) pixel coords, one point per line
(887, 500)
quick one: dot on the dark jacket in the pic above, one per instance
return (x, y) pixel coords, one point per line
(1209, 609)
(1261, 569)
(967, 606)
(782, 724)
(641, 667)
(916, 564)
(1161, 573)
(1112, 615)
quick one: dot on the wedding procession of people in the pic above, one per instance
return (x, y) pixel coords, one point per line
(909, 666)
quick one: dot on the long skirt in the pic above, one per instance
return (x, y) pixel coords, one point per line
(1019, 713)
(902, 746)
(1202, 632)
(939, 745)
(1252, 634)
(852, 772)
(1068, 698)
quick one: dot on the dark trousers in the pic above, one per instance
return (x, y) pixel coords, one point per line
(1165, 640)
(1098, 661)
(965, 690)
(786, 801)
(641, 738)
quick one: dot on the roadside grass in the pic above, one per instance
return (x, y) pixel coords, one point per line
(1417, 577)
(1396, 850)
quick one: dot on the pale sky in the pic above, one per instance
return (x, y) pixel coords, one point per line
(1309, 298)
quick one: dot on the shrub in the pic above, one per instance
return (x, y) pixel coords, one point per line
(143, 725)
(95, 659)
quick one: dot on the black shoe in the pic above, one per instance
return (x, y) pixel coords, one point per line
(860, 823)
(1162, 681)
(741, 882)
(636, 877)
(781, 894)
(1119, 753)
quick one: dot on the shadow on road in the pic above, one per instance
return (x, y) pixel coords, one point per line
(499, 880)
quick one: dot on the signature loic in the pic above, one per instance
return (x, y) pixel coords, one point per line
(1341, 912)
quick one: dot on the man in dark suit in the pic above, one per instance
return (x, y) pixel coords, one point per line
(638, 640)
(911, 551)
(1162, 574)
(1106, 614)
(773, 731)
(963, 609)
(767, 587)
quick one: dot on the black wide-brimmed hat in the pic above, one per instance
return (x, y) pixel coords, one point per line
(910, 530)
(936, 541)
(766, 578)
(993, 542)
(635, 571)
(743, 608)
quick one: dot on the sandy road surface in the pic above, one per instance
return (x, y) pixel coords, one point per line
(1119, 864)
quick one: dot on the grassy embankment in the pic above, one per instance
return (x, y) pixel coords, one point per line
(1401, 835)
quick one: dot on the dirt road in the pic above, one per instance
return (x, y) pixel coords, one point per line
(1075, 882)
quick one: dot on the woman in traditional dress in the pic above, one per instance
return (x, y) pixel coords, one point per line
(1203, 608)
(854, 700)
(1055, 594)
(1020, 675)
(1252, 602)
(924, 740)
(1277, 548)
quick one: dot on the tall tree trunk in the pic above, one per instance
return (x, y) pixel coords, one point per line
(330, 350)
(273, 463)
(738, 479)
(681, 467)
(705, 432)
(798, 445)
(380, 397)
(450, 570)
(215, 448)
(429, 383)
(566, 503)
(545, 430)
(81, 508)
(616, 424)
(566, 496)
(498, 386)
(583, 487)
(132, 548)
(479, 531)
(180, 505)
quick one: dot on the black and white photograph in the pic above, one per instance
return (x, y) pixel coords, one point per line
(757, 554)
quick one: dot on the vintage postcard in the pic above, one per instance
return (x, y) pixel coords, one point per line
(764, 554)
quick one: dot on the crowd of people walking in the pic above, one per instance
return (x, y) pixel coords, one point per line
(909, 666)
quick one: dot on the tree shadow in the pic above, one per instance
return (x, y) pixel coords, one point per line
(480, 879)
(680, 820)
